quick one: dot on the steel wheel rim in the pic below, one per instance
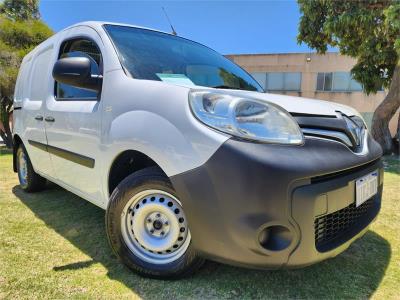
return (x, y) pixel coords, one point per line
(154, 227)
(22, 168)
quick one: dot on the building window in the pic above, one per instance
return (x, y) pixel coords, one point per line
(279, 81)
(286, 81)
(292, 81)
(337, 82)
(275, 82)
(261, 78)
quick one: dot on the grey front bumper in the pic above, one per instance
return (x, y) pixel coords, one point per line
(246, 188)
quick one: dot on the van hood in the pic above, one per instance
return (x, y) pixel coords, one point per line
(296, 105)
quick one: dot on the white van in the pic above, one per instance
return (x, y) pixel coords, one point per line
(188, 156)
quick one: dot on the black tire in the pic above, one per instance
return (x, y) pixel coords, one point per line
(34, 182)
(146, 179)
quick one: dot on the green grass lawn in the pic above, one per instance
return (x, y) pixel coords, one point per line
(53, 245)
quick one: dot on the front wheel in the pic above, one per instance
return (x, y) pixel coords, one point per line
(148, 229)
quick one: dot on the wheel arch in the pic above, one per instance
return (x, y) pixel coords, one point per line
(16, 142)
(126, 163)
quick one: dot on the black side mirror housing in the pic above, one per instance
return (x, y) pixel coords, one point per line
(76, 71)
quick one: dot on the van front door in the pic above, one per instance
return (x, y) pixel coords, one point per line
(73, 119)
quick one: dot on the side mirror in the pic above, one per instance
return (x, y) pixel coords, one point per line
(76, 71)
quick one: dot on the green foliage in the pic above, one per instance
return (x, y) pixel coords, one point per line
(20, 32)
(393, 23)
(9, 62)
(17, 38)
(367, 30)
(23, 36)
(20, 9)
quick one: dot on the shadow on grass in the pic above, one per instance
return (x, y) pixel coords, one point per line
(354, 274)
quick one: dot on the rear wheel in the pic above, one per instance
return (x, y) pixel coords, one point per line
(29, 180)
(148, 229)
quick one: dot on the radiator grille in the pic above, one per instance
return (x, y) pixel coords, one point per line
(333, 226)
(348, 130)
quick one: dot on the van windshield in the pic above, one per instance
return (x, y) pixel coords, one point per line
(153, 55)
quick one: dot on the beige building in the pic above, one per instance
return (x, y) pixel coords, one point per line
(312, 75)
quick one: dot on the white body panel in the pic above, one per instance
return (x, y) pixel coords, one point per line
(32, 101)
(77, 129)
(303, 105)
(151, 117)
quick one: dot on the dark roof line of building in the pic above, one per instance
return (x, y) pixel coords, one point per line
(279, 53)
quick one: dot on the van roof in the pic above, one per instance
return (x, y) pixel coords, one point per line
(97, 24)
(93, 24)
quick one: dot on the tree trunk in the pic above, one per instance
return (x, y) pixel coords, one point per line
(3, 135)
(5, 130)
(7, 138)
(8, 135)
(385, 112)
(398, 128)
(397, 151)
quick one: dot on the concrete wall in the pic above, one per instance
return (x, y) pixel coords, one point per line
(309, 64)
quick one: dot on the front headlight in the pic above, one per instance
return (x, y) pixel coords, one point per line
(245, 118)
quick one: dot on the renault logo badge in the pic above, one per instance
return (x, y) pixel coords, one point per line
(353, 129)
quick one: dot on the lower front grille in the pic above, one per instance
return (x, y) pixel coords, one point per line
(336, 228)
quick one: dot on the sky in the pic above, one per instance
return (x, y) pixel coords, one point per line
(230, 27)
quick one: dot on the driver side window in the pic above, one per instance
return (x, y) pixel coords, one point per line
(79, 48)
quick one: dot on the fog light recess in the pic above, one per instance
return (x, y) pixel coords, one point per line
(275, 237)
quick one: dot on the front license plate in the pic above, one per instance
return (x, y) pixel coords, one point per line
(366, 187)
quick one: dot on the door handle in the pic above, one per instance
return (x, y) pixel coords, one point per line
(49, 119)
(39, 118)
